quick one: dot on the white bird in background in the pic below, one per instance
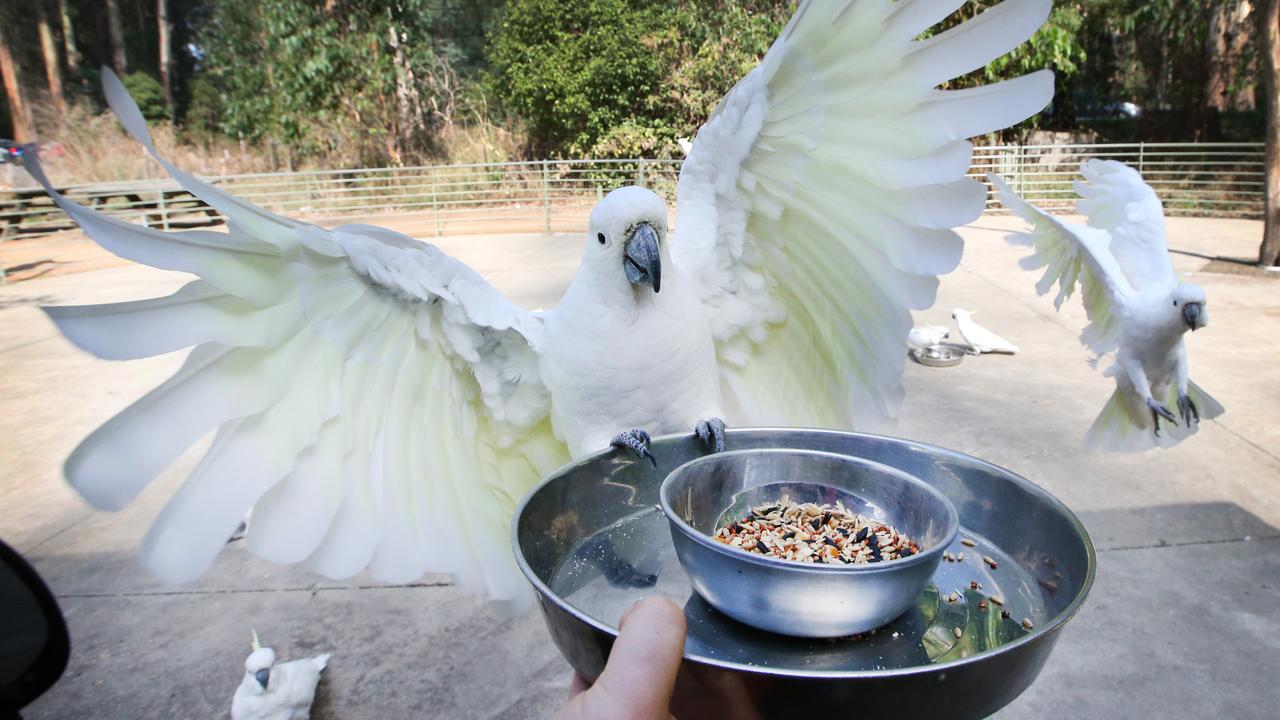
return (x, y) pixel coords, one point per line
(1135, 304)
(927, 336)
(380, 405)
(276, 692)
(979, 338)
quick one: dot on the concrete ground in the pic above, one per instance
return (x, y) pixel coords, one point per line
(1183, 622)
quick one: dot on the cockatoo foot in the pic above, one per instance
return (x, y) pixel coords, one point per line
(1188, 410)
(711, 433)
(637, 441)
(1160, 411)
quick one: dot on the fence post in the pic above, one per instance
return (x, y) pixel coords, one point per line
(1142, 148)
(1017, 169)
(435, 204)
(546, 193)
(640, 173)
(164, 208)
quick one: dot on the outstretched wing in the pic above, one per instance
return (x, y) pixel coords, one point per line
(1073, 254)
(1116, 199)
(816, 205)
(376, 402)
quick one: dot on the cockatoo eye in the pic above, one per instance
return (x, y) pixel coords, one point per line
(1175, 303)
(600, 237)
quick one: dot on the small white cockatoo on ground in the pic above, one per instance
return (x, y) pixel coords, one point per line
(381, 406)
(276, 692)
(1135, 304)
(927, 336)
(979, 338)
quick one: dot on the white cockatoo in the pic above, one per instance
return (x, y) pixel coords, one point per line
(979, 338)
(1135, 304)
(276, 692)
(926, 336)
(381, 406)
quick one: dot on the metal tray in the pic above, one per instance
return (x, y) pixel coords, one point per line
(592, 541)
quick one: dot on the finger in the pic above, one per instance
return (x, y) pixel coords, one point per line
(642, 666)
(577, 686)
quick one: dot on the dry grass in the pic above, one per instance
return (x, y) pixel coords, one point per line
(87, 147)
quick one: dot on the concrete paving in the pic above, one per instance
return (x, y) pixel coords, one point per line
(1183, 622)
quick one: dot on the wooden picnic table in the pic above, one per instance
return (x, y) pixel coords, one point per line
(29, 211)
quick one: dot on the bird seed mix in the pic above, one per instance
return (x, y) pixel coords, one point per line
(816, 534)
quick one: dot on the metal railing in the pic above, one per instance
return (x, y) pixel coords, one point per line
(1215, 179)
(553, 195)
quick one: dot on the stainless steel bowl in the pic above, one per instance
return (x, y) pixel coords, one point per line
(592, 540)
(793, 598)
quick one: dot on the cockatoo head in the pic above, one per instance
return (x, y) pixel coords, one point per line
(627, 237)
(1189, 302)
(257, 667)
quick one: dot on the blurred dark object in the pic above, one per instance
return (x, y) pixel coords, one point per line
(1097, 109)
(34, 645)
(10, 152)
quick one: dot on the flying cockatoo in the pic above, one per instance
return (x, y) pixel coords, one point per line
(979, 338)
(926, 336)
(276, 692)
(1135, 304)
(381, 406)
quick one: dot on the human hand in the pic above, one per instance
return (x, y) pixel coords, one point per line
(639, 677)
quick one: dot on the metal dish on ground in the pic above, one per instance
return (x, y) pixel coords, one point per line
(793, 598)
(592, 541)
(944, 355)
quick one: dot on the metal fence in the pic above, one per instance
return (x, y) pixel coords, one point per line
(553, 195)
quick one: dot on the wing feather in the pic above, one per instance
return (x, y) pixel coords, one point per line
(1073, 255)
(817, 204)
(373, 398)
(1116, 199)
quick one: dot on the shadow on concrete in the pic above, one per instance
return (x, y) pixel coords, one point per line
(1172, 525)
(26, 300)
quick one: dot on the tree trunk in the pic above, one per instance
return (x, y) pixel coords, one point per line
(166, 56)
(116, 30)
(52, 68)
(1216, 60)
(409, 103)
(1269, 35)
(19, 111)
(69, 39)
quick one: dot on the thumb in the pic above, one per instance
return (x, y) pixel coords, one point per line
(642, 667)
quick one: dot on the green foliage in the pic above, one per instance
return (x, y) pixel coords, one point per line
(575, 70)
(148, 93)
(367, 81)
(1056, 45)
(392, 81)
(604, 77)
(205, 107)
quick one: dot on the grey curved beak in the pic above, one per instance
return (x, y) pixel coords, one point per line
(641, 259)
(1192, 315)
(262, 677)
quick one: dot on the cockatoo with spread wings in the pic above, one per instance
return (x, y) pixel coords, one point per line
(1135, 304)
(379, 405)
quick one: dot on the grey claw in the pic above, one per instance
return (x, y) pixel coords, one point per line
(637, 441)
(711, 433)
(1160, 411)
(1188, 410)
